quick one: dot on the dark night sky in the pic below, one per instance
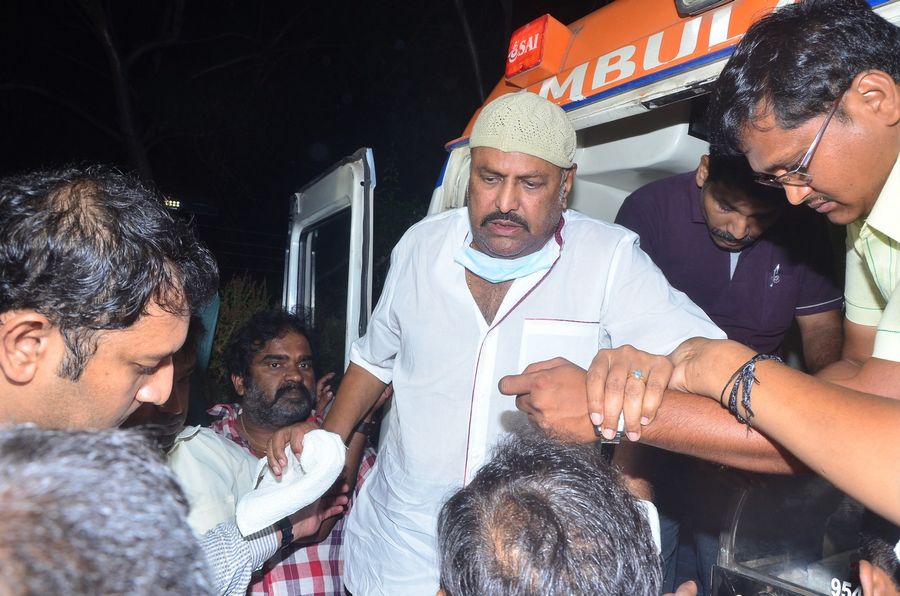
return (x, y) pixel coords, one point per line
(238, 103)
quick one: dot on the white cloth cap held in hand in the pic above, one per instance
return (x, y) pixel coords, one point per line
(302, 481)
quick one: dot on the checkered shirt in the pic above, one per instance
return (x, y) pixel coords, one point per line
(312, 570)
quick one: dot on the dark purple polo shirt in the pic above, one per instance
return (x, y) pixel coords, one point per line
(789, 272)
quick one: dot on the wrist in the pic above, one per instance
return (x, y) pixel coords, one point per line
(715, 365)
(366, 428)
(286, 528)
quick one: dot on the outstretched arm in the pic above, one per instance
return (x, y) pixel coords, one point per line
(847, 436)
(554, 394)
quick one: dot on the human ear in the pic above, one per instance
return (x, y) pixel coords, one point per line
(874, 581)
(567, 184)
(237, 382)
(879, 95)
(23, 344)
(702, 171)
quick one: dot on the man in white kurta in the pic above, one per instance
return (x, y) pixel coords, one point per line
(475, 294)
(428, 337)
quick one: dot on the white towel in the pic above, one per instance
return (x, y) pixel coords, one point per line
(302, 481)
(652, 516)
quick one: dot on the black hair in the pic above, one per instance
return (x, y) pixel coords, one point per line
(90, 248)
(877, 540)
(261, 328)
(733, 172)
(796, 62)
(549, 519)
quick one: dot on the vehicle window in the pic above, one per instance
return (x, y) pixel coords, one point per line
(796, 533)
(327, 250)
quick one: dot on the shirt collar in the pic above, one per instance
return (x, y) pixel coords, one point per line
(186, 434)
(885, 215)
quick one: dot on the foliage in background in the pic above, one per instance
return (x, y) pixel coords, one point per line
(241, 297)
(394, 212)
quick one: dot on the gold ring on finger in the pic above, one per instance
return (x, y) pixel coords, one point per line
(638, 375)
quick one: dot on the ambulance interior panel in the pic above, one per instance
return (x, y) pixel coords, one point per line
(617, 158)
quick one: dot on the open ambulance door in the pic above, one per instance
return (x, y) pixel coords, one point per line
(328, 265)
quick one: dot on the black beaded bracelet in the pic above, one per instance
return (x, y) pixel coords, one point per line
(287, 531)
(744, 376)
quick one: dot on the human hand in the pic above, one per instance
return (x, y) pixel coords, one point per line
(292, 435)
(552, 394)
(702, 366)
(307, 521)
(688, 588)
(625, 381)
(324, 394)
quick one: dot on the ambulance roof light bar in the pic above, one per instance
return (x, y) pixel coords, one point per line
(537, 51)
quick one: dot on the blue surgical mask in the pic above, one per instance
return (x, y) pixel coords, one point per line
(497, 270)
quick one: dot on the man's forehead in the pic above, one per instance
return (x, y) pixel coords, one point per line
(745, 202)
(495, 160)
(768, 146)
(156, 334)
(290, 344)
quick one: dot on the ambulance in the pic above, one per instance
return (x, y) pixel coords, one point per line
(633, 77)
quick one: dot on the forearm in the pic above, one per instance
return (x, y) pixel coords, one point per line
(840, 372)
(232, 558)
(351, 469)
(822, 348)
(358, 392)
(810, 417)
(700, 427)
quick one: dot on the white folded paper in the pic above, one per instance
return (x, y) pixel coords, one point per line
(302, 481)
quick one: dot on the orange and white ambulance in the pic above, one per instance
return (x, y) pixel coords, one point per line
(632, 77)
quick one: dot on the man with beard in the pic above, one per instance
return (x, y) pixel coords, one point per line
(754, 267)
(271, 364)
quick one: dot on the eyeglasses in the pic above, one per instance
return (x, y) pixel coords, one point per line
(799, 176)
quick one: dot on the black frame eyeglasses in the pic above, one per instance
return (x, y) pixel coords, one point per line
(799, 176)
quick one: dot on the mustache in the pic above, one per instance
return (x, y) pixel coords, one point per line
(746, 240)
(291, 387)
(511, 217)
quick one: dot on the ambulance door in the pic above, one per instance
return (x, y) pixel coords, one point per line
(328, 265)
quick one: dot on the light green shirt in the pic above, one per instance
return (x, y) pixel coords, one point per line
(871, 290)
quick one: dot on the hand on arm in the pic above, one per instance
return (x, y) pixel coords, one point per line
(565, 401)
(324, 394)
(810, 417)
(554, 395)
(628, 381)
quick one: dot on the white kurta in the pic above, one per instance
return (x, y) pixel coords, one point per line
(429, 338)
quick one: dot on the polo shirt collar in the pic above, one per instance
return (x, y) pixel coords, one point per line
(885, 215)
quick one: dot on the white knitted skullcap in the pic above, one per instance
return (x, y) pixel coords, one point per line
(526, 123)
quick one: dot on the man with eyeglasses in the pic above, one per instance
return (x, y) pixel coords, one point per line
(811, 96)
(755, 267)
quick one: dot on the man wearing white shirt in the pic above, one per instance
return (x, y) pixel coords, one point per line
(478, 293)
